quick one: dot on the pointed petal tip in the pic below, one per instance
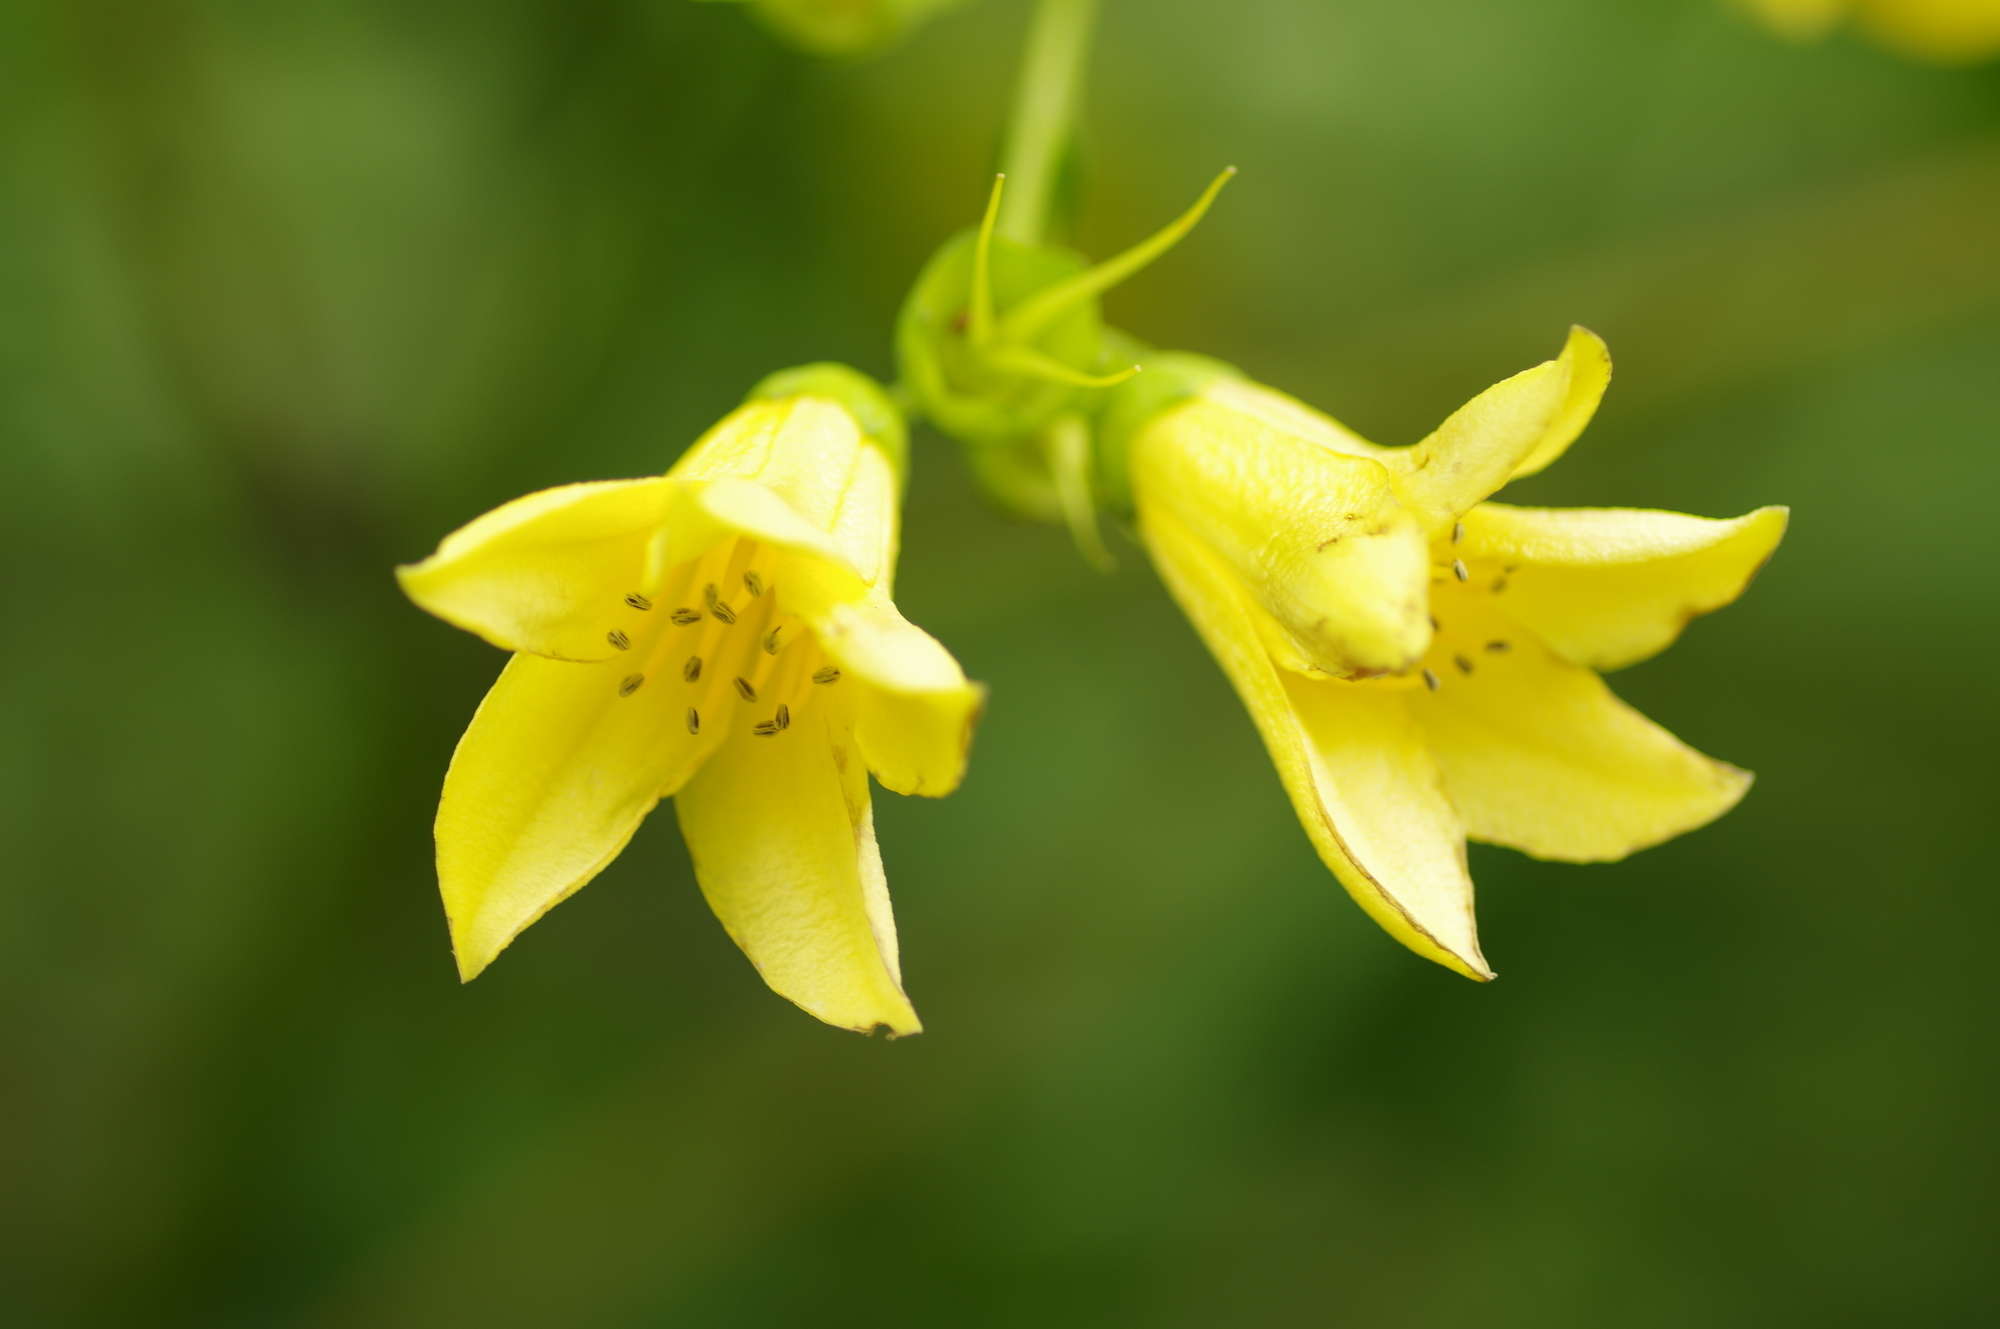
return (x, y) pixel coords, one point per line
(1472, 965)
(893, 1021)
(471, 957)
(1581, 337)
(469, 966)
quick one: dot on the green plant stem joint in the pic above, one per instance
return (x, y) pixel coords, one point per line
(863, 398)
(1001, 345)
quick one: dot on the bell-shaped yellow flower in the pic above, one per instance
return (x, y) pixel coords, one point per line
(723, 635)
(1420, 662)
(1947, 31)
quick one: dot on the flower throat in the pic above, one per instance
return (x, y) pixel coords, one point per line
(718, 632)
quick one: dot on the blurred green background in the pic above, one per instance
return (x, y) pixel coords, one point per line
(287, 292)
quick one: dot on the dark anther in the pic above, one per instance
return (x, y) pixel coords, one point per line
(631, 684)
(638, 601)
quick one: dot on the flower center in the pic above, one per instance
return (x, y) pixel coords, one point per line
(1468, 628)
(717, 632)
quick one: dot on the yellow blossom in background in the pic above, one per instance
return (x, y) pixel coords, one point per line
(844, 27)
(1421, 663)
(723, 635)
(1947, 31)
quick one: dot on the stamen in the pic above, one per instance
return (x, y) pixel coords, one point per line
(1497, 647)
(1457, 531)
(1430, 680)
(1464, 665)
(717, 605)
(638, 601)
(1500, 583)
(764, 728)
(753, 583)
(684, 616)
(1460, 571)
(744, 690)
(826, 675)
(618, 640)
(694, 720)
(630, 684)
(692, 669)
(783, 719)
(1435, 625)
(771, 640)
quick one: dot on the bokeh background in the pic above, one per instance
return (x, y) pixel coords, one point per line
(287, 291)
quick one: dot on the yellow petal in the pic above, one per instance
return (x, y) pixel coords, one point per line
(1589, 375)
(1607, 587)
(913, 709)
(544, 573)
(1538, 754)
(703, 513)
(813, 455)
(553, 776)
(1350, 759)
(1320, 539)
(1292, 416)
(783, 841)
(1513, 428)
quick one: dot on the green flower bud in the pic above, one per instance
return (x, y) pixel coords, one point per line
(983, 388)
(1002, 346)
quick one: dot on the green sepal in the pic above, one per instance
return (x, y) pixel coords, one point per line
(866, 400)
(1171, 378)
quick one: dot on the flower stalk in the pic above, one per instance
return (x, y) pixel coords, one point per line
(1042, 126)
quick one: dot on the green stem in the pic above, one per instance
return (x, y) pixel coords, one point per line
(1045, 108)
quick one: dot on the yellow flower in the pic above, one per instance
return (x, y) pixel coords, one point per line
(1947, 31)
(845, 27)
(1419, 661)
(723, 635)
